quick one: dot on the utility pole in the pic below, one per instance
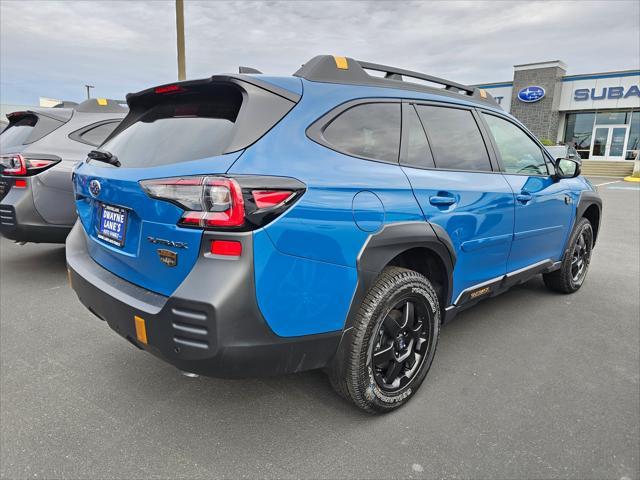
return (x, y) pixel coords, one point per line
(88, 87)
(180, 37)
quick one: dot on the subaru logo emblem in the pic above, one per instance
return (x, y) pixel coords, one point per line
(94, 187)
(531, 94)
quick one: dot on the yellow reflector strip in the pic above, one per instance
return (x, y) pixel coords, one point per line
(141, 329)
(341, 63)
(483, 93)
(102, 101)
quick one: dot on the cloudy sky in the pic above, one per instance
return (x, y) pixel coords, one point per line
(53, 48)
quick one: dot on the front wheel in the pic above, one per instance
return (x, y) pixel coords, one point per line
(570, 277)
(394, 340)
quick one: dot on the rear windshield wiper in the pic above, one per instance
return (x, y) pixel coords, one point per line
(104, 156)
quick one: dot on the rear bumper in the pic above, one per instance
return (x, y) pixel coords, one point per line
(20, 221)
(211, 325)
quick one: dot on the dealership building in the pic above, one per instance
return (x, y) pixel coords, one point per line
(599, 113)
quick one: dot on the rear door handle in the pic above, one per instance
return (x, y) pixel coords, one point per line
(439, 200)
(524, 197)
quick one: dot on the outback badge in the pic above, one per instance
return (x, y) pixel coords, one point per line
(169, 258)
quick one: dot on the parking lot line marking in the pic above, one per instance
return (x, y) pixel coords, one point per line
(607, 183)
(637, 189)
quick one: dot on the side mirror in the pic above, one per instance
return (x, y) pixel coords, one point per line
(567, 168)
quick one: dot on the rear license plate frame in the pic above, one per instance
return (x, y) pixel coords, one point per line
(103, 234)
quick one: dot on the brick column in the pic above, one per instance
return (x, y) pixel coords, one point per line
(541, 117)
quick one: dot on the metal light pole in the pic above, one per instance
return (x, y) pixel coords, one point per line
(180, 37)
(88, 87)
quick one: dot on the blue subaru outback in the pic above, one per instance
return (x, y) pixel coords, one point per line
(246, 225)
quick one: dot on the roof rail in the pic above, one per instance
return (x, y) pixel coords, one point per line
(102, 105)
(333, 69)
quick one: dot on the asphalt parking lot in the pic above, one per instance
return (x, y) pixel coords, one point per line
(530, 384)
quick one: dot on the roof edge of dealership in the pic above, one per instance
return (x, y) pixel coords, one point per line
(599, 113)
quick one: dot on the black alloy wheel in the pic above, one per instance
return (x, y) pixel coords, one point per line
(386, 355)
(401, 344)
(575, 262)
(581, 256)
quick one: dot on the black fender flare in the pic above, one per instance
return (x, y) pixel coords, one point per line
(587, 199)
(376, 253)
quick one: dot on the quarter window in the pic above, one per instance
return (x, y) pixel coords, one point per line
(518, 152)
(455, 139)
(97, 135)
(369, 130)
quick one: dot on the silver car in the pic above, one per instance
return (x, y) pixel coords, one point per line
(563, 151)
(38, 150)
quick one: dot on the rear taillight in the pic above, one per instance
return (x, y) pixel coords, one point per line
(20, 165)
(13, 165)
(270, 198)
(232, 203)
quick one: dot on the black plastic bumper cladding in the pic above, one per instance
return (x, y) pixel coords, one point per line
(211, 325)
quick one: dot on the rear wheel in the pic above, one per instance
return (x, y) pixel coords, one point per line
(575, 265)
(393, 342)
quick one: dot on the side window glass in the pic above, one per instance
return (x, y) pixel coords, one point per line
(518, 152)
(97, 135)
(455, 138)
(415, 149)
(370, 130)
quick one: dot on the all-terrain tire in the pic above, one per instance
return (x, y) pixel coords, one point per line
(356, 379)
(575, 264)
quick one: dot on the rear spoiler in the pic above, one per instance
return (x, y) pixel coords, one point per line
(227, 78)
(59, 114)
(262, 104)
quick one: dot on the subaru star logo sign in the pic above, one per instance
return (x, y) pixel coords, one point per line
(94, 187)
(531, 94)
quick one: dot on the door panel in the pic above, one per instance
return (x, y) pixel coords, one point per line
(476, 210)
(543, 206)
(543, 215)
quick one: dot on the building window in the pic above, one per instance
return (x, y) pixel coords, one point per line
(612, 118)
(578, 132)
(633, 144)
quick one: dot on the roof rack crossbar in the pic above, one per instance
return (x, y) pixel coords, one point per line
(391, 72)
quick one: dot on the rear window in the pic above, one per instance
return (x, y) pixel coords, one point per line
(371, 130)
(177, 130)
(17, 133)
(25, 128)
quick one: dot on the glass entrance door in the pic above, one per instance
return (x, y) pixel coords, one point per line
(609, 142)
